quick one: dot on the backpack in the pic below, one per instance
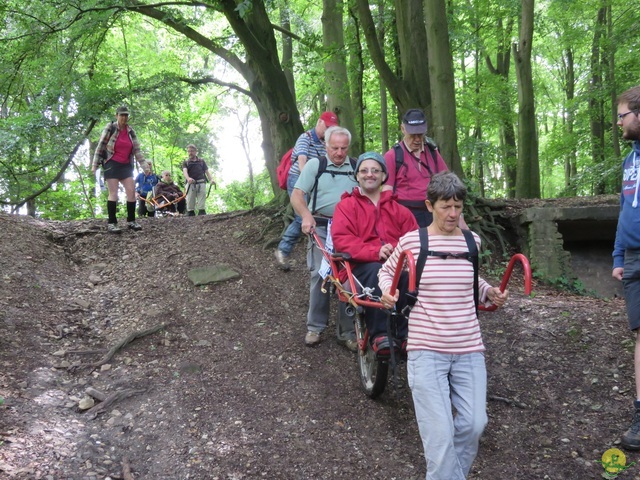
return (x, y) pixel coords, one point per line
(282, 172)
(433, 149)
(322, 168)
(471, 255)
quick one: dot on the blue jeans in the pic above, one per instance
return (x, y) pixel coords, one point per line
(294, 230)
(438, 381)
(319, 303)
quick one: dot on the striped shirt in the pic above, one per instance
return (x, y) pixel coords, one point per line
(444, 318)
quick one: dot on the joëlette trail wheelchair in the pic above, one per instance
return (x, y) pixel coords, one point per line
(374, 369)
(162, 205)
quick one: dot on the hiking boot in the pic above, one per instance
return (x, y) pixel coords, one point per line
(191, 213)
(631, 438)
(201, 212)
(134, 226)
(311, 339)
(283, 260)
(113, 228)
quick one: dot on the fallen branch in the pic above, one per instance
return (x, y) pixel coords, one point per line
(110, 400)
(506, 400)
(126, 341)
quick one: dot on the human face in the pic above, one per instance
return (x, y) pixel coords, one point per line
(337, 148)
(166, 177)
(446, 215)
(413, 141)
(629, 122)
(123, 118)
(370, 176)
(192, 152)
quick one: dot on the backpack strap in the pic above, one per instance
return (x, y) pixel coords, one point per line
(429, 143)
(322, 168)
(472, 256)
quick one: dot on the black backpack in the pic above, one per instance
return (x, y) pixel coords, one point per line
(322, 169)
(429, 144)
(471, 255)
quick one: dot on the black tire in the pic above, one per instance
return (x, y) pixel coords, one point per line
(373, 372)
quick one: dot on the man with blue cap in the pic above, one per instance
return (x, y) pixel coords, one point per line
(367, 224)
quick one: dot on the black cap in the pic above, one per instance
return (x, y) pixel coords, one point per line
(414, 121)
(122, 111)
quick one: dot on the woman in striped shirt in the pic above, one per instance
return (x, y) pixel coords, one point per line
(445, 351)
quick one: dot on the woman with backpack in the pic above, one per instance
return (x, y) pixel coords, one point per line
(445, 353)
(115, 153)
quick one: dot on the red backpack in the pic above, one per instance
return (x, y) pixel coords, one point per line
(283, 169)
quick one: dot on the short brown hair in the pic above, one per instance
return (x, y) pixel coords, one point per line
(631, 97)
(445, 186)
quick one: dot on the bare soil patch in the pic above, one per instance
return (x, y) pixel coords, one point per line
(228, 390)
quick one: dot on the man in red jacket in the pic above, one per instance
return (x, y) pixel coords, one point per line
(367, 224)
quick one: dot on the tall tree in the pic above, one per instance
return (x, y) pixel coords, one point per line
(338, 92)
(528, 173)
(442, 85)
(409, 86)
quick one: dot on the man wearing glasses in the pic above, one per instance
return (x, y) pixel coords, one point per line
(626, 250)
(411, 163)
(367, 224)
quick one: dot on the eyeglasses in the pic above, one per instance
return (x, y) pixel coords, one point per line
(367, 171)
(622, 115)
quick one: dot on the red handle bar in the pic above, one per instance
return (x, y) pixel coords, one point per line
(526, 267)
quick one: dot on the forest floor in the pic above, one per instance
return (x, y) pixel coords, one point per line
(226, 388)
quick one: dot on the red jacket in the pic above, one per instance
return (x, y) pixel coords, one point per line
(360, 228)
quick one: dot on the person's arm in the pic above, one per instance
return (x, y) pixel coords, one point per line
(300, 206)
(185, 172)
(137, 151)
(101, 148)
(347, 237)
(210, 177)
(302, 159)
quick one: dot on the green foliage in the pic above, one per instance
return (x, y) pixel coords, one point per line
(242, 195)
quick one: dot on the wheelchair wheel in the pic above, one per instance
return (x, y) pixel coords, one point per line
(373, 372)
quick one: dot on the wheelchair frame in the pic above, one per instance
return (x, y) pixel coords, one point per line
(374, 370)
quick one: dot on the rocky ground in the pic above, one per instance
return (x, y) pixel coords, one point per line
(224, 387)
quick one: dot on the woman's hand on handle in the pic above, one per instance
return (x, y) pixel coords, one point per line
(389, 300)
(497, 297)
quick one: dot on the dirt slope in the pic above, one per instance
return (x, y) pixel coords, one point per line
(227, 389)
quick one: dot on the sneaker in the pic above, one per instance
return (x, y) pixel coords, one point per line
(381, 346)
(311, 339)
(113, 228)
(350, 345)
(283, 260)
(134, 226)
(631, 438)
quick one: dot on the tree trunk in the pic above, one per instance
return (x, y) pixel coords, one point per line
(570, 167)
(443, 107)
(506, 128)
(528, 172)
(287, 47)
(356, 69)
(338, 98)
(384, 111)
(410, 88)
(596, 105)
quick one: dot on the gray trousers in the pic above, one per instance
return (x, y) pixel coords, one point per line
(319, 303)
